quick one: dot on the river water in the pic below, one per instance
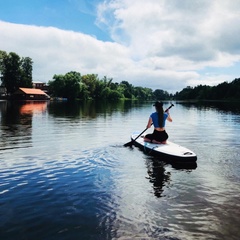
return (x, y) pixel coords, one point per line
(64, 173)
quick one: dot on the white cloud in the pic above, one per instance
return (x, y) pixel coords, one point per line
(157, 44)
(56, 51)
(177, 35)
(192, 30)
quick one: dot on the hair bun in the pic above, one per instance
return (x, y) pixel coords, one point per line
(158, 104)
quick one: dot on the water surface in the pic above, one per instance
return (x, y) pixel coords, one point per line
(64, 173)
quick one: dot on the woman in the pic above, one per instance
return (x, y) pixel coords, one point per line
(158, 120)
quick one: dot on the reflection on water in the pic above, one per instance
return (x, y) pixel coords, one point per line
(16, 122)
(90, 109)
(32, 107)
(233, 107)
(158, 176)
(16, 125)
(64, 173)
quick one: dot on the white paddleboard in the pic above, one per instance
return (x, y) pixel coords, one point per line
(170, 150)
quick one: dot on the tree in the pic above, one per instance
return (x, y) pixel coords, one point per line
(67, 86)
(160, 94)
(114, 95)
(139, 93)
(148, 94)
(3, 55)
(90, 81)
(185, 93)
(83, 94)
(26, 72)
(127, 89)
(15, 72)
(72, 85)
(56, 86)
(11, 72)
(223, 91)
(143, 93)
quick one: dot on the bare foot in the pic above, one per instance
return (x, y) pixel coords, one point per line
(164, 142)
(146, 140)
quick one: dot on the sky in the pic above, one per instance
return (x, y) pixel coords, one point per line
(158, 44)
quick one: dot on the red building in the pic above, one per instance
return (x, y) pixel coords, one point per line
(30, 94)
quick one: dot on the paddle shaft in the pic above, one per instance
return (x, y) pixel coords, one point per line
(169, 107)
(130, 143)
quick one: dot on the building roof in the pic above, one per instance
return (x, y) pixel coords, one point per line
(33, 91)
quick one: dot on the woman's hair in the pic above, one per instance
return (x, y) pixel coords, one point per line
(160, 111)
(160, 115)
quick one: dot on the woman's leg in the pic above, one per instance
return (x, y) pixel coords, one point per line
(148, 138)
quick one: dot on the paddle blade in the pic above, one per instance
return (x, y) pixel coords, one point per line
(129, 144)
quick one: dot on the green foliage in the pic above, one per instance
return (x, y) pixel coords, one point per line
(160, 94)
(126, 89)
(114, 95)
(91, 87)
(15, 71)
(26, 72)
(3, 55)
(67, 86)
(223, 91)
(90, 81)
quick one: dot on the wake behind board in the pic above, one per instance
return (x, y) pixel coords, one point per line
(169, 151)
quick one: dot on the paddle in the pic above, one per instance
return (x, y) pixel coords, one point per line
(129, 144)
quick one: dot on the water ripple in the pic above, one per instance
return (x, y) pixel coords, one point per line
(69, 177)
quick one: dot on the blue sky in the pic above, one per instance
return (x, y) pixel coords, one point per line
(165, 44)
(79, 16)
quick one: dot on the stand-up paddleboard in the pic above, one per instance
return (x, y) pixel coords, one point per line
(170, 150)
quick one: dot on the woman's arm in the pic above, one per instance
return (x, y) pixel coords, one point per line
(149, 124)
(169, 118)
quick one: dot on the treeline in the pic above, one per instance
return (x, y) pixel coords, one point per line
(15, 71)
(73, 85)
(223, 91)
